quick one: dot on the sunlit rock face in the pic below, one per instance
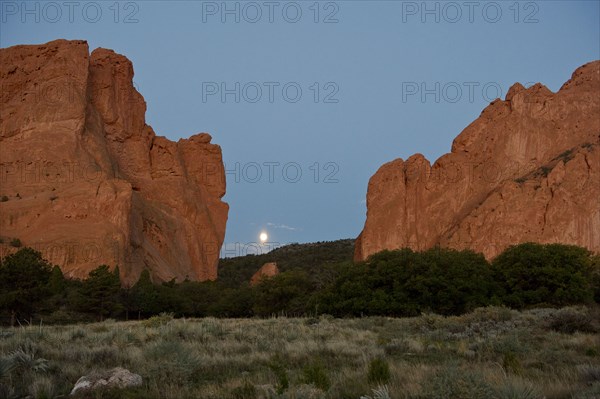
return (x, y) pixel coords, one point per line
(87, 182)
(528, 169)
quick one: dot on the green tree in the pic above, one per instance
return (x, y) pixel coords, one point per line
(448, 281)
(406, 283)
(57, 287)
(287, 292)
(193, 298)
(233, 302)
(100, 293)
(555, 274)
(57, 283)
(24, 278)
(184, 299)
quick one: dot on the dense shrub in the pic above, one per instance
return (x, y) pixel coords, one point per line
(571, 320)
(159, 320)
(285, 293)
(404, 282)
(554, 274)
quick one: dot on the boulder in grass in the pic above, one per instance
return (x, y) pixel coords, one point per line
(115, 378)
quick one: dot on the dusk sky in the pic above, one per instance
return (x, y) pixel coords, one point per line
(308, 99)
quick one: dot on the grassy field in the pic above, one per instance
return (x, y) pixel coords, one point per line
(489, 353)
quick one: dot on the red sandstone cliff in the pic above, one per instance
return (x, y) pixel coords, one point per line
(87, 182)
(528, 169)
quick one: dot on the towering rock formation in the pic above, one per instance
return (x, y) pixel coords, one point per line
(528, 169)
(87, 182)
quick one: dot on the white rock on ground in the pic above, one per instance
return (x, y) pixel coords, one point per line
(115, 378)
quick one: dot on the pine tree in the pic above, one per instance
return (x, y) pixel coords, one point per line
(145, 296)
(23, 283)
(100, 293)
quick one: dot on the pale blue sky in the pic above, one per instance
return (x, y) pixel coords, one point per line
(367, 60)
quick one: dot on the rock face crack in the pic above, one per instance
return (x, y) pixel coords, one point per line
(546, 210)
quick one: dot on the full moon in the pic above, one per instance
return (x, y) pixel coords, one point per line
(263, 237)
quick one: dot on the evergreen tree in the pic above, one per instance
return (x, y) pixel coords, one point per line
(145, 297)
(24, 278)
(100, 293)
(57, 283)
(57, 288)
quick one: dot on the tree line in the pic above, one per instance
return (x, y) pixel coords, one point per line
(390, 283)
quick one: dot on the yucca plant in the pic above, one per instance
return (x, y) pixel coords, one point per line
(518, 389)
(42, 387)
(7, 392)
(299, 392)
(589, 374)
(7, 365)
(381, 392)
(25, 359)
(18, 369)
(454, 382)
